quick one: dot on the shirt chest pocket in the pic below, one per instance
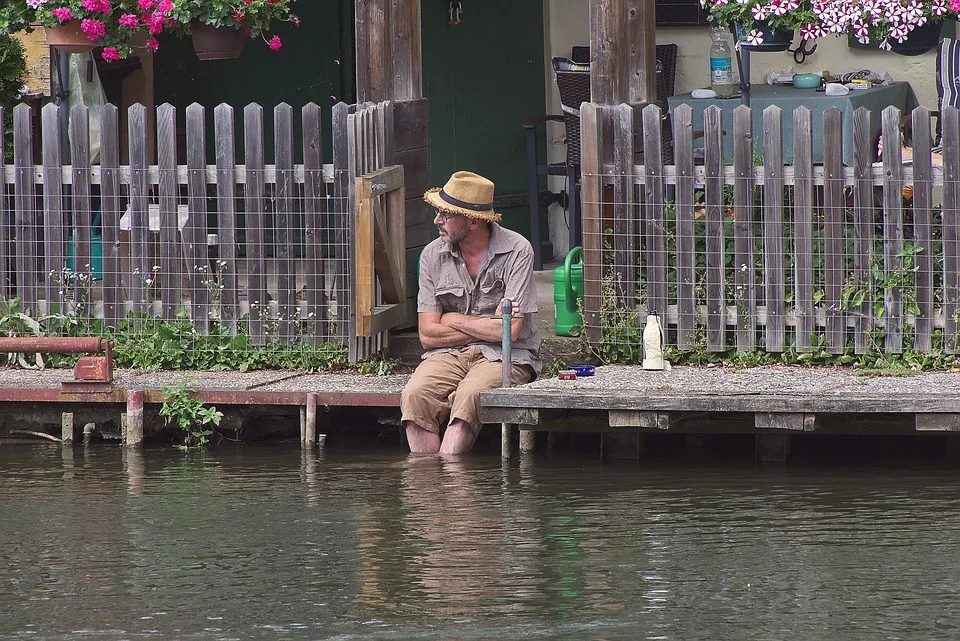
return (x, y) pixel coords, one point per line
(452, 297)
(492, 289)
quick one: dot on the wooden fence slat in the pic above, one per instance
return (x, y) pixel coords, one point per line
(341, 224)
(27, 214)
(53, 214)
(863, 230)
(110, 203)
(713, 166)
(254, 208)
(141, 281)
(317, 321)
(81, 238)
(7, 242)
(950, 118)
(656, 232)
(744, 275)
(686, 241)
(833, 213)
(170, 276)
(626, 251)
(592, 219)
(286, 242)
(773, 228)
(803, 228)
(225, 269)
(922, 232)
(892, 231)
(354, 168)
(195, 229)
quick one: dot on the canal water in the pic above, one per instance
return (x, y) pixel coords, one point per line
(268, 543)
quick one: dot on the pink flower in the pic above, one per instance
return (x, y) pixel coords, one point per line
(96, 6)
(155, 21)
(63, 14)
(129, 21)
(94, 29)
(152, 44)
(35, 4)
(275, 43)
(110, 54)
(146, 5)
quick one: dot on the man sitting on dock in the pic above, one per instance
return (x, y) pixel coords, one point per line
(465, 274)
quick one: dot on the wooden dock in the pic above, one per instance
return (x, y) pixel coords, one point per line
(764, 399)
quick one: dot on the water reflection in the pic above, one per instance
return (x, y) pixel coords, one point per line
(102, 543)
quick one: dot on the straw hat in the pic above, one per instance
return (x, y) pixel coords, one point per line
(467, 194)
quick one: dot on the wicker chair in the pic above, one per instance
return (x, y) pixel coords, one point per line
(573, 84)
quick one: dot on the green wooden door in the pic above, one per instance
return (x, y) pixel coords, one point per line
(484, 78)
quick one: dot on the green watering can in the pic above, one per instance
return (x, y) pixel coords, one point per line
(567, 289)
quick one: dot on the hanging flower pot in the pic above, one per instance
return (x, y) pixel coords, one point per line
(771, 38)
(216, 43)
(69, 37)
(921, 40)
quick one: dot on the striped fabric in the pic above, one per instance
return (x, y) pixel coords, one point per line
(948, 75)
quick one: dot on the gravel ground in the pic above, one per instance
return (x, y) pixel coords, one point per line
(610, 379)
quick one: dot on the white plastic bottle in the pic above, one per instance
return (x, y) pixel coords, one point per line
(721, 66)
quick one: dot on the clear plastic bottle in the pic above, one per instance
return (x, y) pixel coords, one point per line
(721, 66)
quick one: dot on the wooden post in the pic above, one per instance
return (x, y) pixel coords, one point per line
(609, 84)
(528, 441)
(642, 39)
(310, 421)
(133, 434)
(66, 428)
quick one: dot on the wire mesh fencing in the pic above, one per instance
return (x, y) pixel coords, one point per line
(236, 263)
(753, 254)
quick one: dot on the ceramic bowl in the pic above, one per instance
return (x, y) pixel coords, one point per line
(806, 81)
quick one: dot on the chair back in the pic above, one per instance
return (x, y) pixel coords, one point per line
(573, 84)
(948, 76)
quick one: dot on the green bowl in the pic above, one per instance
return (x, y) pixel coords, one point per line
(806, 81)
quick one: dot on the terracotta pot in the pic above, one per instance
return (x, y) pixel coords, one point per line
(773, 39)
(212, 43)
(69, 37)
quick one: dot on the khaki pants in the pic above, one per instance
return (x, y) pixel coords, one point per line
(447, 386)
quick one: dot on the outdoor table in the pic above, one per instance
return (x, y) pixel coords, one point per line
(788, 98)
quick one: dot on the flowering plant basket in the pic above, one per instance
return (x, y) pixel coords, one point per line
(110, 24)
(114, 25)
(754, 17)
(880, 23)
(254, 18)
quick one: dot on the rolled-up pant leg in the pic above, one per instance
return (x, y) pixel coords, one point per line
(482, 375)
(425, 399)
(447, 386)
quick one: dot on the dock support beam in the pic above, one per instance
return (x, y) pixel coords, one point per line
(773, 448)
(308, 432)
(622, 444)
(66, 428)
(528, 441)
(133, 434)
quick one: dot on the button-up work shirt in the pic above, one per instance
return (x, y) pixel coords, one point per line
(505, 272)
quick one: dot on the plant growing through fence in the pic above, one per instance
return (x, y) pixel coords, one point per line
(182, 409)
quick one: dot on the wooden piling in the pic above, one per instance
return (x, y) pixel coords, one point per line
(66, 428)
(133, 434)
(310, 422)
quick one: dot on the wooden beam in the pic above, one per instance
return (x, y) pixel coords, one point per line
(405, 50)
(609, 84)
(641, 30)
(372, 25)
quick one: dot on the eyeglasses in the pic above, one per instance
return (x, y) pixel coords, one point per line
(445, 217)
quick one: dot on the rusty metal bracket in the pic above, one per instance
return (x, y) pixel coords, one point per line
(91, 374)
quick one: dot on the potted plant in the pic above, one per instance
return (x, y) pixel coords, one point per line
(764, 25)
(75, 26)
(219, 27)
(909, 27)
